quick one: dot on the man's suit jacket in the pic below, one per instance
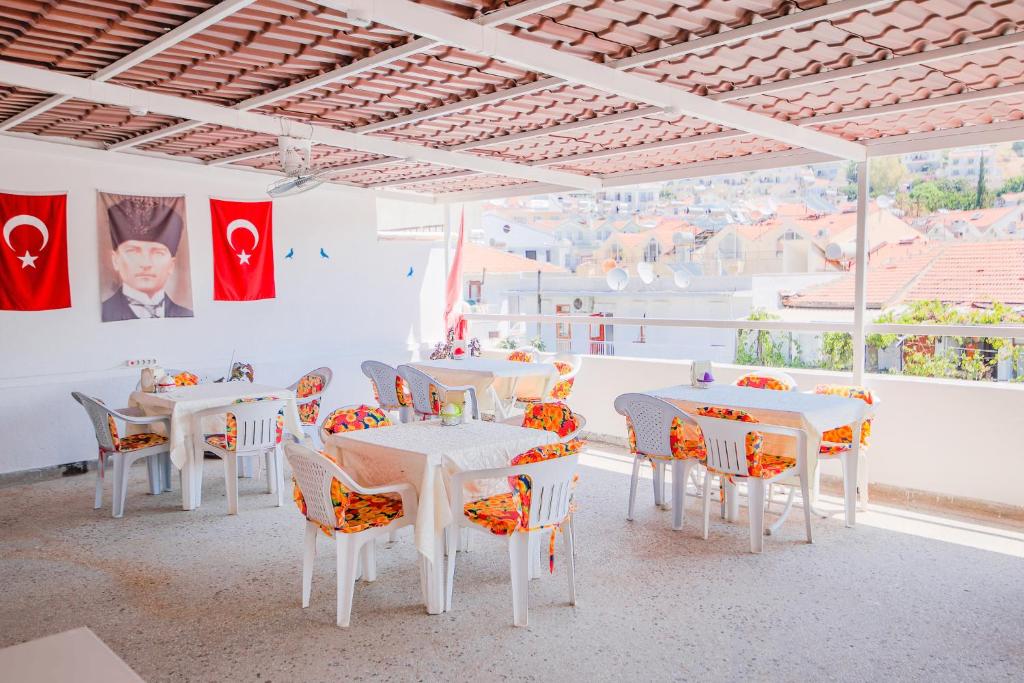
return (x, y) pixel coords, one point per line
(117, 308)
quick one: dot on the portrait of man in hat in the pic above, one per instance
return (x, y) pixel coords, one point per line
(145, 236)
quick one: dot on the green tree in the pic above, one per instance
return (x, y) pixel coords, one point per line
(1015, 184)
(887, 175)
(979, 200)
(1018, 148)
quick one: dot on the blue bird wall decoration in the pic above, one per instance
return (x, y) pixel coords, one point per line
(323, 254)
(290, 254)
(409, 274)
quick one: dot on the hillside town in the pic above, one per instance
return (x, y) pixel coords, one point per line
(775, 245)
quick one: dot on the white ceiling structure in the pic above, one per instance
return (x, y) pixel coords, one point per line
(454, 100)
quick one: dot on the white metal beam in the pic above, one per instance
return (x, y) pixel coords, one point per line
(861, 274)
(485, 40)
(967, 136)
(383, 58)
(194, 110)
(173, 37)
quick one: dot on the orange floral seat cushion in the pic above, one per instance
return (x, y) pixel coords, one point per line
(760, 463)
(366, 511)
(552, 417)
(520, 356)
(844, 434)
(500, 514)
(756, 381)
(134, 442)
(686, 441)
(309, 385)
(560, 391)
(834, 450)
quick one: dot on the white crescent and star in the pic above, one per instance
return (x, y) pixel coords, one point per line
(243, 224)
(28, 260)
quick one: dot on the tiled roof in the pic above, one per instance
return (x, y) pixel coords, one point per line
(485, 105)
(964, 274)
(477, 257)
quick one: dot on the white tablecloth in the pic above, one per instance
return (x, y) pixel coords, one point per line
(814, 413)
(416, 453)
(494, 379)
(182, 402)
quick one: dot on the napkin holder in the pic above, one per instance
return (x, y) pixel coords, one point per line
(150, 379)
(700, 374)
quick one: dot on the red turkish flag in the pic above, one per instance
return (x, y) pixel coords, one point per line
(243, 250)
(34, 252)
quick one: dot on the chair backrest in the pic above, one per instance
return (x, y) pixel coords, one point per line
(550, 489)
(351, 418)
(312, 383)
(385, 381)
(314, 473)
(775, 380)
(844, 434)
(422, 389)
(733, 446)
(651, 421)
(101, 418)
(255, 424)
(568, 366)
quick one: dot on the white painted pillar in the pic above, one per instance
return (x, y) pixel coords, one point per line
(861, 274)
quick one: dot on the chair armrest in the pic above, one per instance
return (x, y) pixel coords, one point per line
(127, 415)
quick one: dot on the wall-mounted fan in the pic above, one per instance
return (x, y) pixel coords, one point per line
(295, 162)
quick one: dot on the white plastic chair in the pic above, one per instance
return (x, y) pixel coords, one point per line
(313, 472)
(255, 435)
(309, 405)
(550, 495)
(842, 451)
(523, 399)
(419, 384)
(126, 451)
(652, 424)
(385, 380)
(726, 444)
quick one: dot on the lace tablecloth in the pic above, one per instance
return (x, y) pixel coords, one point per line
(497, 381)
(418, 452)
(182, 402)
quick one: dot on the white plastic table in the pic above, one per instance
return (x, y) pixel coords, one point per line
(76, 655)
(813, 413)
(497, 381)
(181, 403)
(425, 454)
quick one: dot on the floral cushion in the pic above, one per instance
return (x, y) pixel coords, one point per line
(834, 450)
(112, 425)
(501, 514)
(521, 484)
(400, 389)
(309, 385)
(185, 379)
(359, 417)
(563, 388)
(520, 356)
(759, 462)
(685, 440)
(134, 442)
(366, 511)
(756, 381)
(551, 417)
(844, 434)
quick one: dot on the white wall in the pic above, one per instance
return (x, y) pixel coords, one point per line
(335, 312)
(948, 437)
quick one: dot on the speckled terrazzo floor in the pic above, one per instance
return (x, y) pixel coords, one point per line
(203, 596)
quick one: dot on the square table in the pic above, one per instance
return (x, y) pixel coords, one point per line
(424, 454)
(76, 655)
(496, 380)
(181, 403)
(813, 413)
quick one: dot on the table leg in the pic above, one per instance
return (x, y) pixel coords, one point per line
(187, 481)
(432, 578)
(850, 476)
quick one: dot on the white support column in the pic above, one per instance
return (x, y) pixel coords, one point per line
(861, 274)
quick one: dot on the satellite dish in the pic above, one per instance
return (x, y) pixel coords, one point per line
(681, 279)
(645, 271)
(617, 279)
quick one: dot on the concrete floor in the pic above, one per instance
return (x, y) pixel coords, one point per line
(202, 596)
